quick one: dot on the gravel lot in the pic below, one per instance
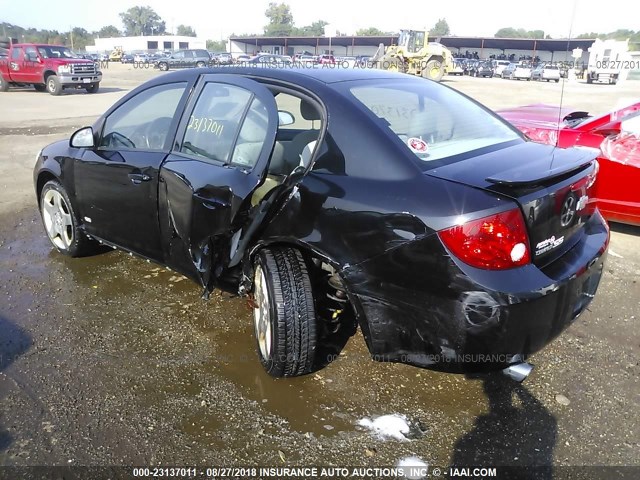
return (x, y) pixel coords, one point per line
(110, 360)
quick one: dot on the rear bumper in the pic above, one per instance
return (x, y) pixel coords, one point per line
(69, 79)
(432, 311)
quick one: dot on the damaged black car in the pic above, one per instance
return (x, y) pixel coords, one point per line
(339, 199)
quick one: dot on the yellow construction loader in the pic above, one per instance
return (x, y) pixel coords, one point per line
(116, 54)
(415, 55)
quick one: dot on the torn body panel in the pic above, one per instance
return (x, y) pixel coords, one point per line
(445, 315)
(198, 220)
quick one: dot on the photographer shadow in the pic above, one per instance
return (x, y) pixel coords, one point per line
(517, 431)
(14, 341)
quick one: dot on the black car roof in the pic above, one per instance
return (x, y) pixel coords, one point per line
(327, 74)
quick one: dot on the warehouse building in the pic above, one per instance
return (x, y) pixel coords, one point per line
(480, 47)
(150, 43)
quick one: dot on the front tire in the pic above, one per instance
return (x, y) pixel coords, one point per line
(433, 70)
(200, 65)
(93, 88)
(61, 223)
(284, 313)
(54, 87)
(163, 66)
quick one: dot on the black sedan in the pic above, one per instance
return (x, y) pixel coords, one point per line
(481, 69)
(339, 198)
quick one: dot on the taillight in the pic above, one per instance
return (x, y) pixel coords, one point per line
(496, 242)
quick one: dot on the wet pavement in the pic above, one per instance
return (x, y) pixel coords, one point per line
(111, 360)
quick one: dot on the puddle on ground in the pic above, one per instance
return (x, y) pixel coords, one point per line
(135, 309)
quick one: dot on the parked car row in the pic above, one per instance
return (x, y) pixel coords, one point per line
(506, 70)
(199, 58)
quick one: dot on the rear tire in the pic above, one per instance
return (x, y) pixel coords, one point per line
(200, 65)
(284, 315)
(54, 87)
(61, 223)
(163, 66)
(4, 85)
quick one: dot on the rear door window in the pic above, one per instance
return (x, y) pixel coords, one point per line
(215, 122)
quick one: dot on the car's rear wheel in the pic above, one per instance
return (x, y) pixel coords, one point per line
(163, 66)
(54, 87)
(4, 85)
(284, 313)
(61, 223)
(200, 64)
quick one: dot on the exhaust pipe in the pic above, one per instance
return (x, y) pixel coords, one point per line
(518, 371)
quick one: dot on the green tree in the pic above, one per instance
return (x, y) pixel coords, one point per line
(186, 31)
(591, 35)
(108, 32)
(216, 45)
(280, 20)
(509, 32)
(441, 28)
(142, 21)
(79, 38)
(316, 29)
(370, 32)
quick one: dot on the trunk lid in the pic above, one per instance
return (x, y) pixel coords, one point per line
(551, 185)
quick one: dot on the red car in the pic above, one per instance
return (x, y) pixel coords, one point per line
(617, 134)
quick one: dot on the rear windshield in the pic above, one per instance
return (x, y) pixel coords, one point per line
(433, 121)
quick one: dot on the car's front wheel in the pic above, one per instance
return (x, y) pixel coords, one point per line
(54, 87)
(60, 222)
(163, 66)
(284, 313)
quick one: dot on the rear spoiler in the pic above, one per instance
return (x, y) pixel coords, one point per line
(565, 168)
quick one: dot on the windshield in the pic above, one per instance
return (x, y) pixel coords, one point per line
(56, 52)
(433, 121)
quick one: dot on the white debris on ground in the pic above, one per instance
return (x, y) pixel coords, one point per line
(387, 426)
(614, 254)
(413, 468)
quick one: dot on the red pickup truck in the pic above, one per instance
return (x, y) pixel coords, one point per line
(50, 68)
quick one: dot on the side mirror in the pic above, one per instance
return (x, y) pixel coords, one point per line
(285, 118)
(82, 138)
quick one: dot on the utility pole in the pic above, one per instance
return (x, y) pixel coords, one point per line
(71, 36)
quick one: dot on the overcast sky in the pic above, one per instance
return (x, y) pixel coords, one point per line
(217, 19)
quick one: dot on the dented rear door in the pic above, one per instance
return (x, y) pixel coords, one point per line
(220, 157)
